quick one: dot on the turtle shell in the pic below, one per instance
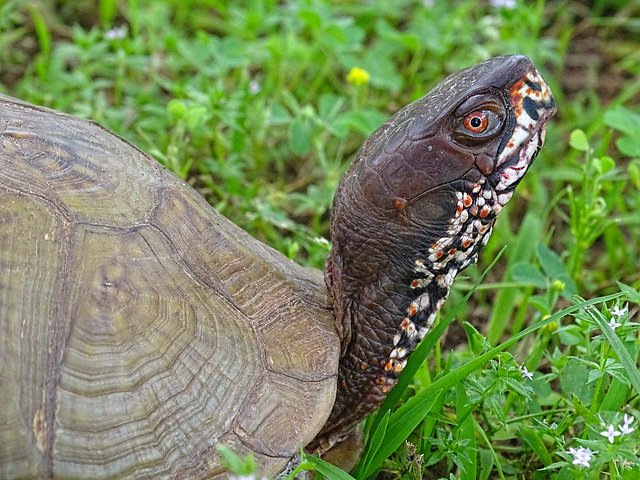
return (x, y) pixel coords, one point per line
(139, 328)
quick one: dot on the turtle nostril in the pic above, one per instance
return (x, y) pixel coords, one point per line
(485, 164)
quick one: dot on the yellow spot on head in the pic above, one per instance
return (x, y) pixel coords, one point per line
(358, 76)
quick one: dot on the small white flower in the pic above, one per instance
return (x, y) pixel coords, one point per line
(626, 428)
(525, 373)
(611, 433)
(613, 324)
(618, 312)
(581, 456)
(254, 87)
(510, 4)
(116, 33)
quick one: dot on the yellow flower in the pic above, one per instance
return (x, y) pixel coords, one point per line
(549, 327)
(358, 76)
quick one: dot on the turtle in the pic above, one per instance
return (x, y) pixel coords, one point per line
(140, 329)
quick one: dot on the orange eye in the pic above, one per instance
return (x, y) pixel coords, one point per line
(476, 122)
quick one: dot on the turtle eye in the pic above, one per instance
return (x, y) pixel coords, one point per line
(476, 122)
(480, 125)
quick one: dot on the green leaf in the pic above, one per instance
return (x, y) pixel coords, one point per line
(573, 380)
(607, 163)
(630, 293)
(278, 115)
(594, 375)
(374, 444)
(624, 120)
(477, 342)
(329, 105)
(195, 116)
(235, 464)
(328, 470)
(525, 272)
(532, 438)
(578, 140)
(554, 267)
(629, 146)
(176, 108)
(299, 137)
(466, 434)
(517, 387)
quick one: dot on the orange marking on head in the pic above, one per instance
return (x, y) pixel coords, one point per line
(485, 211)
(404, 323)
(466, 243)
(412, 310)
(415, 283)
(363, 366)
(452, 251)
(474, 210)
(388, 366)
(397, 368)
(467, 200)
(439, 253)
(384, 389)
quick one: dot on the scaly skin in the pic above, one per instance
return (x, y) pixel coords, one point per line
(414, 209)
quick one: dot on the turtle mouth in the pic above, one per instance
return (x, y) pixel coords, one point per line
(532, 103)
(508, 175)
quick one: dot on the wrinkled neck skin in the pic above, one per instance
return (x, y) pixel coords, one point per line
(415, 208)
(388, 289)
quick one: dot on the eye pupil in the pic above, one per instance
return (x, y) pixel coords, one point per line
(476, 122)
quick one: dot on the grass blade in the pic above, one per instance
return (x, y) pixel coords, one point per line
(623, 355)
(328, 470)
(402, 422)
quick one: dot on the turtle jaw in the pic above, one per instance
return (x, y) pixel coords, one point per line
(533, 104)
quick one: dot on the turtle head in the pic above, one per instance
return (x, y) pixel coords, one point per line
(415, 208)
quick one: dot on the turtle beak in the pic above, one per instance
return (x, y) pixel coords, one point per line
(532, 103)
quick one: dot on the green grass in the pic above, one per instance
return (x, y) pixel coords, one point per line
(249, 101)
